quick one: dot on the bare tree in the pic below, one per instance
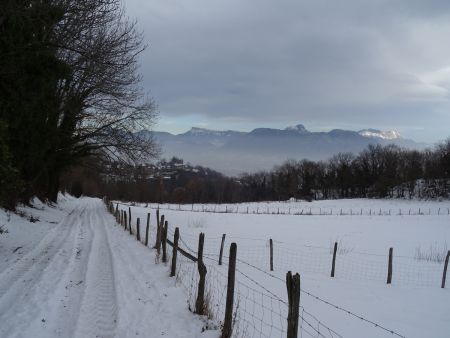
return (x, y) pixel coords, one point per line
(101, 103)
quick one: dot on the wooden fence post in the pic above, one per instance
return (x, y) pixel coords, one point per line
(126, 220)
(130, 227)
(293, 291)
(333, 264)
(138, 232)
(176, 236)
(147, 229)
(129, 216)
(227, 329)
(200, 302)
(389, 277)
(221, 249)
(444, 274)
(271, 254)
(164, 241)
(158, 234)
(157, 228)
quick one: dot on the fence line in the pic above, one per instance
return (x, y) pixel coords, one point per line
(320, 324)
(293, 211)
(350, 264)
(257, 311)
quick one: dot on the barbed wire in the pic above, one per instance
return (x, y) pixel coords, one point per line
(317, 298)
(267, 293)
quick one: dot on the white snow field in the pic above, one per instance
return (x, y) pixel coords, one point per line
(74, 273)
(357, 302)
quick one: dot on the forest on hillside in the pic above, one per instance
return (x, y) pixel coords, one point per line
(376, 172)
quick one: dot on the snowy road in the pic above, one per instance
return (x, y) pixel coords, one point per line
(87, 278)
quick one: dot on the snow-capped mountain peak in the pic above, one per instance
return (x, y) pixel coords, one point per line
(385, 135)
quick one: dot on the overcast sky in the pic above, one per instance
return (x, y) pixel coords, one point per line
(241, 64)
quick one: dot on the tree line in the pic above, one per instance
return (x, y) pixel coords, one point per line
(69, 89)
(376, 172)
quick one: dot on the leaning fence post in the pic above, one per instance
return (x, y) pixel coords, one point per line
(221, 249)
(130, 226)
(389, 277)
(271, 254)
(176, 236)
(147, 228)
(138, 232)
(293, 291)
(200, 302)
(227, 329)
(333, 264)
(444, 275)
(164, 241)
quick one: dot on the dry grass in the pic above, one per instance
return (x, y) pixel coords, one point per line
(435, 253)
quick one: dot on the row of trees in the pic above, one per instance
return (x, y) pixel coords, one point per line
(377, 171)
(69, 89)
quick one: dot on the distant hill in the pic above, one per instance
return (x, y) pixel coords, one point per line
(233, 152)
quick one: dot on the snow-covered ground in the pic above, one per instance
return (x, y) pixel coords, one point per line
(414, 305)
(344, 207)
(72, 272)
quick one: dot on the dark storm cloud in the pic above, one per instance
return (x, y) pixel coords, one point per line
(347, 64)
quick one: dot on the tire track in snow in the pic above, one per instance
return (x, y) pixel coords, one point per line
(19, 283)
(144, 289)
(98, 312)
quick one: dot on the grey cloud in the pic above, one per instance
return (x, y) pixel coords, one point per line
(373, 63)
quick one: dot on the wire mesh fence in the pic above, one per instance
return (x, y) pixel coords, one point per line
(259, 311)
(256, 209)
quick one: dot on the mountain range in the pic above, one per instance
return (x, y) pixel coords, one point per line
(234, 152)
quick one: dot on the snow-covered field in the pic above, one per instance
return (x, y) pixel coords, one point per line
(72, 272)
(414, 305)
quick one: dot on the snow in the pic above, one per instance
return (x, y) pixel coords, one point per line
(414, 305)
(385, 135)
(75, 273)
